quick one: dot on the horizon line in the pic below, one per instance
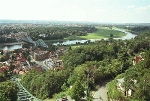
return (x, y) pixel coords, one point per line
(76, 21)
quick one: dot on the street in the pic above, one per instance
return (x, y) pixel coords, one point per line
(101, 94)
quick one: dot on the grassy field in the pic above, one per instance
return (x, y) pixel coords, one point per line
(103, 33)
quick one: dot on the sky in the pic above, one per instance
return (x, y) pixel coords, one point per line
(104, 11)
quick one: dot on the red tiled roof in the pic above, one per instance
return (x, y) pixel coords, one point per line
(137, 59)
(4, 68)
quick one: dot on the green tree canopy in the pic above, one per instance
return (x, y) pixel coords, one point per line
(8, 91)
(77, 91)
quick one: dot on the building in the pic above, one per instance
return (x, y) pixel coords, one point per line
(4, 68)
(120, 86)
(21, 64)
(137, 59)
(40, 55)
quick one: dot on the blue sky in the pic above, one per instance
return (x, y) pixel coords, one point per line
(112, 11)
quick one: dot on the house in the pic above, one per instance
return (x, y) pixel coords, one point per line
(54, 63)
(58, 63)
(120, 86)
(39, 55)
(49, 62)
(137, 59)
(3, 68)
(21, 64)
(20, 58)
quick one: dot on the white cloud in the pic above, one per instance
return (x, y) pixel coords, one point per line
(130, 7)
(145, 8)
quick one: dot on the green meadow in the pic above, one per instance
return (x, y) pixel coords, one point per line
(102, 32)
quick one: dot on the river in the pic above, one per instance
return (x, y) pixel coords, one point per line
(128, 34)
(126, 37)
(12, 47)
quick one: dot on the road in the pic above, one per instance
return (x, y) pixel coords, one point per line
(101, 94)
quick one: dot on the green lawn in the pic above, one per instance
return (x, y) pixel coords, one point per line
(103, 33)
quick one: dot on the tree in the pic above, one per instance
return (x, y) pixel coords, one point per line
(77, 91)
(2, 77)
(28, 58)
(142, 92)
(111, 35)
(44, 85)
(11, 68)
(2, 59)
(8, 91)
